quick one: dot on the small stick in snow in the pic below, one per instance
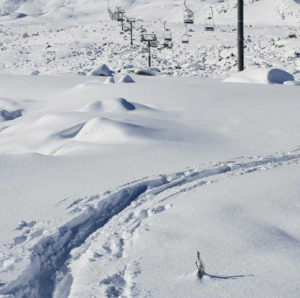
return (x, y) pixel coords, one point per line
(200, 266)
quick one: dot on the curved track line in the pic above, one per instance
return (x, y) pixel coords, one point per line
(51, 253)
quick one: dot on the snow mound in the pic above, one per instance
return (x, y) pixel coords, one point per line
(109, 80)
(102, 70)
(117, 105)
(126, 79)
(109, 131)
(261, 76)
(35, 73)
(95, 106)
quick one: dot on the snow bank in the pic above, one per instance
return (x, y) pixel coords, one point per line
(261, 76)
(102, 70)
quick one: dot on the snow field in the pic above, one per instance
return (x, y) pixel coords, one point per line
(94, 244)
(113, 175)
(52, 260)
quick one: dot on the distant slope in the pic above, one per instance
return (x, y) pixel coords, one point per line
(256, 11)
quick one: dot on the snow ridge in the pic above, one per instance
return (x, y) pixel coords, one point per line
(50, 257)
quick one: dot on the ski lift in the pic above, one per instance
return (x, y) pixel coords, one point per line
(148, 37)
(119, 13)
(167, 33)
(188, 15)
(209, 24)
(185, 37)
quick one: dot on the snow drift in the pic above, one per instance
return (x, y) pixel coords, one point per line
(261, 76)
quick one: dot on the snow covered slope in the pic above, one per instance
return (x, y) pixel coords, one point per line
(259, 11)
(108, 190)
(111, 181)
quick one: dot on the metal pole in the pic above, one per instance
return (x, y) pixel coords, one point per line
(240, 32)
(122, 23)
(149, 58)
(131, 38)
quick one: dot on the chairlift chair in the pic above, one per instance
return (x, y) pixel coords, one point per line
(119, 13)
(148, 37)
(209, 24)
(168, 35)
(188, 15)
(185, 38)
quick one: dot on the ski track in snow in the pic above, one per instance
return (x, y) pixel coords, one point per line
(104, 225)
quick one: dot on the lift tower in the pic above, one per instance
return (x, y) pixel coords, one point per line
(240, 32)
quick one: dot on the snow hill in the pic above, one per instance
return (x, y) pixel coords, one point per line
(257, 11)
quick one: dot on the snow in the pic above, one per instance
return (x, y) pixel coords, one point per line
(262, 76)
(126, 79)
(90, 147)
(101, 70)
(109, 80)
(113, 174)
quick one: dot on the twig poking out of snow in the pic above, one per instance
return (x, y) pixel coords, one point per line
(200, 266)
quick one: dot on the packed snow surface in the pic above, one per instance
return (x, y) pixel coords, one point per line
(113, 175)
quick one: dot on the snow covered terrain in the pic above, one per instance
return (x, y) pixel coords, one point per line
(113, 176)
(76, 36)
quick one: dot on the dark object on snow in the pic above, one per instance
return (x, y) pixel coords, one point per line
(11, 115)
(200, 266)
(102, 71)
(144, 72)
(21, 15)
(201, 271)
